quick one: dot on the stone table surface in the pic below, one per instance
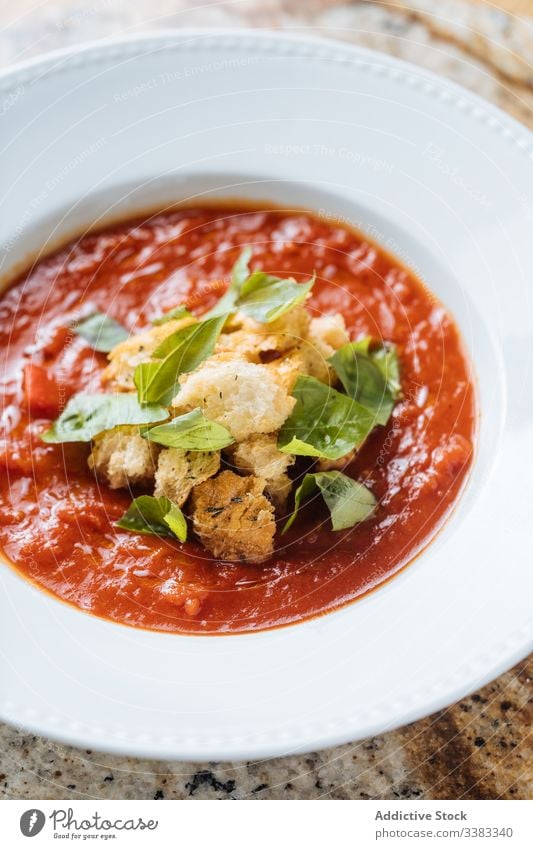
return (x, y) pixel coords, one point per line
(477, 748)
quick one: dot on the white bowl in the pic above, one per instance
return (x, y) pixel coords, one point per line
(439, 177)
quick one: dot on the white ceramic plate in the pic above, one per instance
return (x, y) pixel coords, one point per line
(436, 175)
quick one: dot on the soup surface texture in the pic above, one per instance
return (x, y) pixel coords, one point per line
(57, 521)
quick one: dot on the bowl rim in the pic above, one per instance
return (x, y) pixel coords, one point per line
(49, 58)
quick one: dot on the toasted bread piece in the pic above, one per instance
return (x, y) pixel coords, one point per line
(233, 518)
(252, 340)
(244, 397)
(328, 333)
(179, 471)
(287, 369)
(122, 458)
(259, 455)
(294, 325)
(306, 359)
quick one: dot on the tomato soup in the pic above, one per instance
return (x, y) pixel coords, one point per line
(57, 522)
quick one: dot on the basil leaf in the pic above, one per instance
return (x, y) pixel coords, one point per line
(349, 502)
(177, 312)
(85, 416)
(191, 432)
(371, 378)
(101, 331)
(259, 295)
(158, 381)
(239, 274)
(265, 298)
(241, 271)
(386, 359)
(177, 522)
(150, 515)
(324, 422)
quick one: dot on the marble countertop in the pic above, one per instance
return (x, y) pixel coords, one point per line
(474, 749)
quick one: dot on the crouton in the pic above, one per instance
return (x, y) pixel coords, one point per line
(259, 456)
(125, 357)
(286, 370)
(313, 361)
(328, 333)
(244, 397)
(247, 346)
(123, 458)
(253, 341)
(305, 359)
(233, 519)
(178, 471)
(294, 324)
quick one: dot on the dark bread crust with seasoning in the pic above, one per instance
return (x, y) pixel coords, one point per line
(233, 518)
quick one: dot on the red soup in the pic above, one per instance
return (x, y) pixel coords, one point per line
(57, 521)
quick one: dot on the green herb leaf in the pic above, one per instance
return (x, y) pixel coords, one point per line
(386, 359)
(150, 515)
(171, 315)
(158, 380)
(265, 298)
(241, 270)
(85, 416)
(101, 331)
(177, 522)
(261, 296)
(370, 377)
(324, 423)
(349, 502)
(191, 432)
(239, 274)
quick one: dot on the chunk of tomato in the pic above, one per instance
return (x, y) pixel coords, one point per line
(42, 392)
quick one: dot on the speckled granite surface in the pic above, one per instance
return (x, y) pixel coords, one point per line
(475, 749)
